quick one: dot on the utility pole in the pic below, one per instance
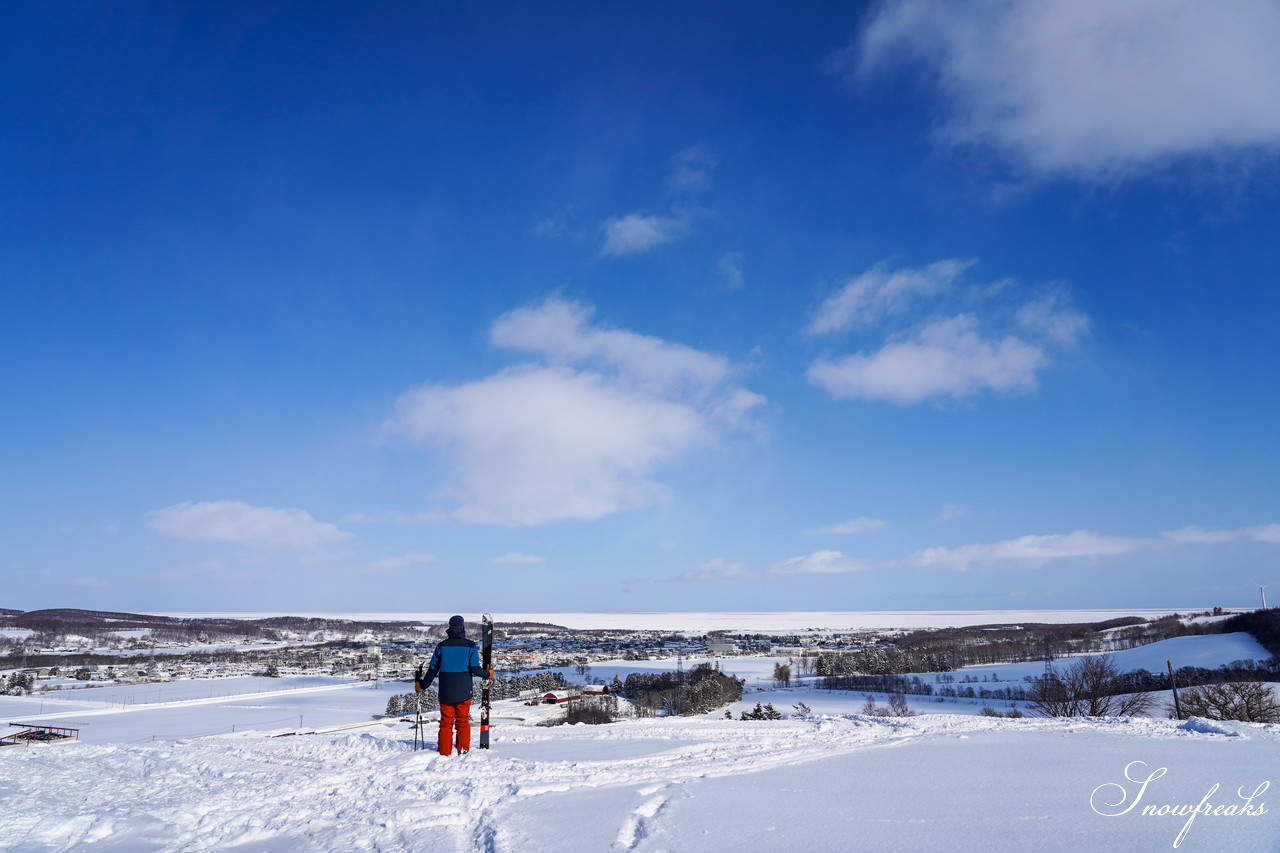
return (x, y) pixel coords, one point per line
(1177, 707)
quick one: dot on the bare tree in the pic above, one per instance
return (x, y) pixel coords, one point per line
(1090, 687)
(898, 706)
(1248, 701)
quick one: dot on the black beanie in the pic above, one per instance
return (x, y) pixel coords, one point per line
(457, 622)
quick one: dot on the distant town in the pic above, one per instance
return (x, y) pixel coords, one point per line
(55, 649)
(98, 646)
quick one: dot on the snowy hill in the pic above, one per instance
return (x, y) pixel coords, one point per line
(946, 780)
(833, 784)
(1208, 651)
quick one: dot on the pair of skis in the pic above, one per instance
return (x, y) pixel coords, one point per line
(486, 661)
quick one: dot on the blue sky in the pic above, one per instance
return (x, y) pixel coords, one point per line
(907, 305)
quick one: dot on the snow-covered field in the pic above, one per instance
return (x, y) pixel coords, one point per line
(160, 769)
(202, 707)
(836, 784)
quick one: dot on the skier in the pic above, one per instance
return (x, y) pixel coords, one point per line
(456, 661)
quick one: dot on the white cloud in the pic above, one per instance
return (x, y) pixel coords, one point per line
(393, 517)
(518, 559)
(951, 512)
(820, 562)
(535, 444)
(1263, 533)
(637, 233)
(1029, 551)
(561, 332)
(879, 291)
(862, 524)
(240, 523)
(1089, 87)
(946, 358)
(403, 561)
(1196, 535)
(1032, 551)
(999, 342)
(1036, 550)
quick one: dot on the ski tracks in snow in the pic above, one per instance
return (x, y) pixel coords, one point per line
(369, 792)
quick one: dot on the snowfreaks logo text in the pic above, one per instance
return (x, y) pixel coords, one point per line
(1112, 799)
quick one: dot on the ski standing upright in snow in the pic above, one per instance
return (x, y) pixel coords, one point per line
(419, 741)
(486, 661)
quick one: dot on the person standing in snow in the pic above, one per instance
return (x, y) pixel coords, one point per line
(456, 661)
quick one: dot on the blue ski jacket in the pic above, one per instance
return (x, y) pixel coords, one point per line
(456, 661)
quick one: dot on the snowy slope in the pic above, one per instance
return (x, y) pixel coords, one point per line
(834, 784)
(1208, 651)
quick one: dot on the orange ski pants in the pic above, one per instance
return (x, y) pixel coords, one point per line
(455, 715)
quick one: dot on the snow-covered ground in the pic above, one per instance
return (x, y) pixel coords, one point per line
(159, 768)
(1208, 651)
(132, 713)
(834, 784)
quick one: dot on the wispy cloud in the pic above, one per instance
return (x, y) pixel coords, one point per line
(946, 358)
(238, 522)
(1025, 552)
(394, 517)
(1029, 551)
(880, 291)
(1087, 87)
(1196, 535)
(716, 569)
(514, 559)
(861, 524)
(691, 170)
(729, 268)
(1036, 550)
(1001, 343)
(638, 232)
(211, 570)
(563, 333)
(398, 562)
(821, 562)
(951, 512)
(581, 435)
